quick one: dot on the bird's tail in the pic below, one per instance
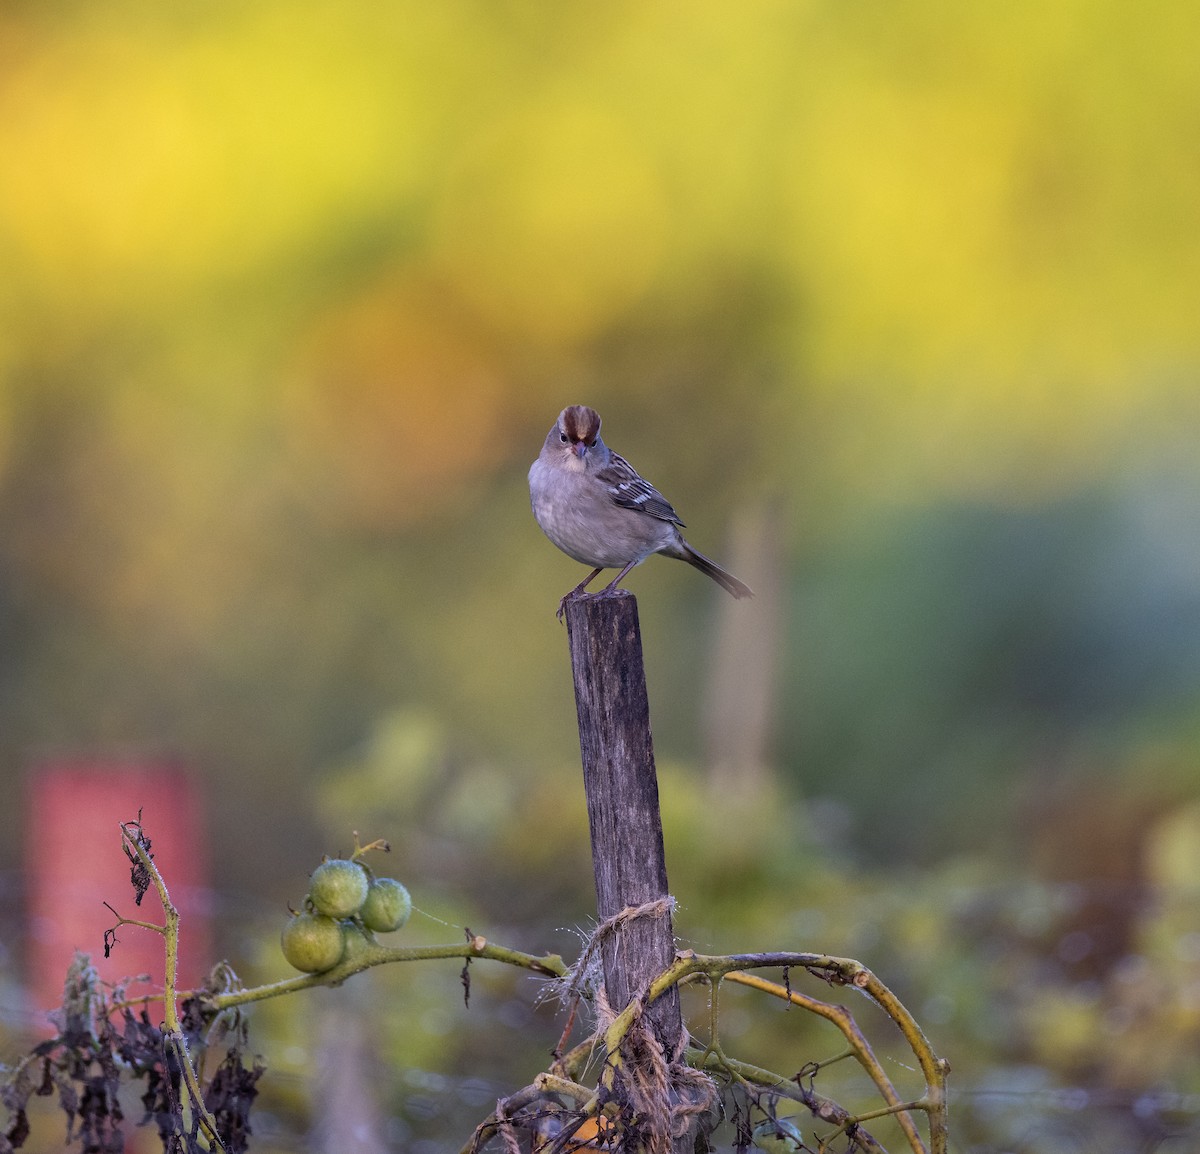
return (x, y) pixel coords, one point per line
(710, 568)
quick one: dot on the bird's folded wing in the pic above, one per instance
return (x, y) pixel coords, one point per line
(633, 492)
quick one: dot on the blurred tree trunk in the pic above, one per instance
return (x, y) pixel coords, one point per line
(739, 714)
(347, 1115)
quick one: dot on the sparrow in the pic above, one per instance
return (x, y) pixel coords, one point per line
(594, 506)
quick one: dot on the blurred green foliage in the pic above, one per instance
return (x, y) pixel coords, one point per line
(291, 293)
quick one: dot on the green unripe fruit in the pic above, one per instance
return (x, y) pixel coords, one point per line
(387, 906)
(356, 940)
(338, 888)
(313, 943)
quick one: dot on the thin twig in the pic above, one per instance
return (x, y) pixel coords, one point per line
(173, 1028)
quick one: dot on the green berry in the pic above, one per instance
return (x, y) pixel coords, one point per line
(387, 906)
(338, 888)
(313, 942)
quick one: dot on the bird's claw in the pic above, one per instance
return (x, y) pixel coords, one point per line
(572, 596)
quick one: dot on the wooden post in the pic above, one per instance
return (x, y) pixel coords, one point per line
(622, 800)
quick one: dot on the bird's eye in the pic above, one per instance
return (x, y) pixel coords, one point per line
(592, 443)
(563, 437)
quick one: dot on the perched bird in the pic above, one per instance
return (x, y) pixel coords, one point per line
(593, 505)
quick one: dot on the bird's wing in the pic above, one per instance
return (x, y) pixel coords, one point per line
(630, 491)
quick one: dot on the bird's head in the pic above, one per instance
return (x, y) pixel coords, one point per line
(575, 435)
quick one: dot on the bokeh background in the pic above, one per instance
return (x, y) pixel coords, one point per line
(898, 304)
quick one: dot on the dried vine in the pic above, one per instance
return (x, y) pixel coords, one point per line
(617, 1089)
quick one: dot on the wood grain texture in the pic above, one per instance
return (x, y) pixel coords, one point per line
(622, 798)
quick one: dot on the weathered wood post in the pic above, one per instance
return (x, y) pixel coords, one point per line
(622, 800)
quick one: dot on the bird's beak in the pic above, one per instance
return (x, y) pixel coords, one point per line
(579, 449)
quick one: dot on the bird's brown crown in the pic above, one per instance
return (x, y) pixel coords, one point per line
(580, 423)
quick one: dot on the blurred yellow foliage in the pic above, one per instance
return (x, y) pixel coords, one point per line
(394, 394)
(981, 224)
(552, 222)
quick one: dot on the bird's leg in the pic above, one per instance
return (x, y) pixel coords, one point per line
(617, 579)
(562, 605)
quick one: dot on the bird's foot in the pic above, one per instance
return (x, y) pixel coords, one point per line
(574, 595)
(591, 595)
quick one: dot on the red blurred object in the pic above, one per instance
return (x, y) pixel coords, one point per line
(74, 863)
